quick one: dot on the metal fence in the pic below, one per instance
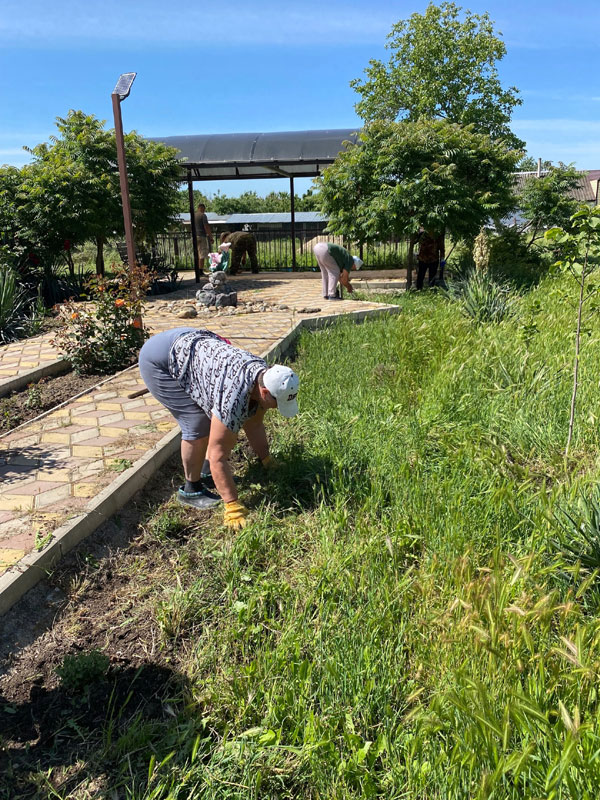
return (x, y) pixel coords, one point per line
(274, 250)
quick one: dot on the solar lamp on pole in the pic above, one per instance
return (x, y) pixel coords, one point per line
(120, 92)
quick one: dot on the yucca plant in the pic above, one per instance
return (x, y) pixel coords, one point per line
(15, 307)
(579, 538)
(483, 299)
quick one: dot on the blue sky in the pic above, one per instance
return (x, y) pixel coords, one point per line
(272, 66)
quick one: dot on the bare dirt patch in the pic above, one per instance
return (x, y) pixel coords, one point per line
(43, 395)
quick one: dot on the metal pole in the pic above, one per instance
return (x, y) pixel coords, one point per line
(193, 225)
(293, 219)
(116, 102)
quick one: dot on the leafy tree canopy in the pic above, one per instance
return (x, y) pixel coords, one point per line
(548, 201)
(250, 202)
(442, 66)
(70, 192)
(402, 175)
(530, 164)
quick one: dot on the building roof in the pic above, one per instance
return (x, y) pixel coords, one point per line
(288, 154)
(583, 192)
(299, 216)
(263, 219)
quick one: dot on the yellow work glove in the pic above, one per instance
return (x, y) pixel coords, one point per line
(235, 516)
(270, 463)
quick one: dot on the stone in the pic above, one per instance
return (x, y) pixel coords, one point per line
(226, 299)
(187, 313)
(208, 287)
(308, 310)
(207, 298)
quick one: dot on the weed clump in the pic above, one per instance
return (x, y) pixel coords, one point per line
(82, 670)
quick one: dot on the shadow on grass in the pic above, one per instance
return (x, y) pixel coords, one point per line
(75, 736)
(301, 480)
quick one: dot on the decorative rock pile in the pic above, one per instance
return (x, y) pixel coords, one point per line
(216, 292)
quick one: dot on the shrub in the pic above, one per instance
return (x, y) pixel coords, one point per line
(105, 335)
(512, 260)
(482, 299)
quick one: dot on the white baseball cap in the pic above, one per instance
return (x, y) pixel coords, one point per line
(283, 384)
(358, 262)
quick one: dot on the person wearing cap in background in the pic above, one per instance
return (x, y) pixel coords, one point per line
(335, 263)
(214, 389)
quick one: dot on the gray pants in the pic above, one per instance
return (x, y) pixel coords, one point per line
(154, 369)
(330, 272)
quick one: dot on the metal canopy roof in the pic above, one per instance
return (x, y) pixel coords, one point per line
(230, 156)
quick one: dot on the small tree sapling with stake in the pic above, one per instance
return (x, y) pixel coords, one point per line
(580, 257)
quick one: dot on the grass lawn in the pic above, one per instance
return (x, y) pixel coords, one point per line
(413, 612)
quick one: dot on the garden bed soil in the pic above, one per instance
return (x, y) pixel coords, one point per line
(100, 597)
(42, 395)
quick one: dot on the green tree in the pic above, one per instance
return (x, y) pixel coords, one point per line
(442, 66)
(579, 247)
(548, 201)
(183, 200)
(10, 180)
(530, 164)
(70, 193)
(430, 173)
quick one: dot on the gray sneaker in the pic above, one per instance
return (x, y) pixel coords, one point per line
(202, 499)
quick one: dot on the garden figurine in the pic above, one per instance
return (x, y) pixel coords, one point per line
(335, 263)
(214, 389)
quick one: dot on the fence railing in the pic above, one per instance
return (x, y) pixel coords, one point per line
(274, 250)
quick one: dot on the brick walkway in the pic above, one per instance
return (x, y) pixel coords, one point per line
(52, 469)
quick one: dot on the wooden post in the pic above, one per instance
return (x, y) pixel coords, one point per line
(116, 103)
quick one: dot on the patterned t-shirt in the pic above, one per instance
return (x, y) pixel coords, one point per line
(218, 376)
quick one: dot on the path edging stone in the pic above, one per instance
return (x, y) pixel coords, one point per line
(20, 381)
(33, 567)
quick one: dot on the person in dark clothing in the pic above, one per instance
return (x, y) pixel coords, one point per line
(430, 257)
(243, 244)
(203, 234)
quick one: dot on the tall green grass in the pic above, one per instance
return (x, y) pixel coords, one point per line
(401, 619)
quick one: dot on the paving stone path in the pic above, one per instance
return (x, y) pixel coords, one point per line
(52, 468)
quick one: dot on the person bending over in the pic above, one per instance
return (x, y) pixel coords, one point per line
(213, 390)
(243, 244)
(335, 263)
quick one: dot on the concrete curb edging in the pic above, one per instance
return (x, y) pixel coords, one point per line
(20, 381)
(33, 567)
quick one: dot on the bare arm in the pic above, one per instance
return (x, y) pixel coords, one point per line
(345, 280)
(220, 445)
(254, 428)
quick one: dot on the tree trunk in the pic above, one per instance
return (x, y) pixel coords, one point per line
(99, 255)
(409, 266)
(70, 264)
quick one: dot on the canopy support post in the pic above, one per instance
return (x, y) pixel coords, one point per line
(193, 225)
(293, 221)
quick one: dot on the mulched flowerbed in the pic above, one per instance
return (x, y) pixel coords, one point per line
(43, 395)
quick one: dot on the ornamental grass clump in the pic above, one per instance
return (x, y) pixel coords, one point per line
(105, 334)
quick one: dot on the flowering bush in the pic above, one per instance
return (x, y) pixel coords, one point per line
(105, 334)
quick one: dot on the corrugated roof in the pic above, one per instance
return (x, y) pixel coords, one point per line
(583, 192)
(299, 216)
(227, 156)
(243, 219)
